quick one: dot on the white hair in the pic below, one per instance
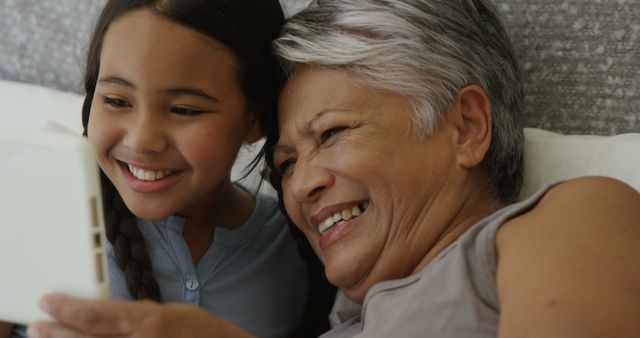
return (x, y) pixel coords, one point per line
(427, 50)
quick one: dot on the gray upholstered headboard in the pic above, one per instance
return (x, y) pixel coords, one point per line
(581, 58)
(44, 41)
(581, 63)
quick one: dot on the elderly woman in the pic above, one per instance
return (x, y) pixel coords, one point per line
(398, 154)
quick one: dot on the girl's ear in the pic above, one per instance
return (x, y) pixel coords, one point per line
(472, 119)
(254, 132)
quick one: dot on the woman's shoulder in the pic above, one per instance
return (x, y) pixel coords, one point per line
(588, 209)
(570, 258)
(589, 189)
(591, 201)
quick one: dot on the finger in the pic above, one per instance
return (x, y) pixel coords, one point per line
(53, 330)
(101, 317)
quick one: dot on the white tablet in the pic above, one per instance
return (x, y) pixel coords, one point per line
(51, 222)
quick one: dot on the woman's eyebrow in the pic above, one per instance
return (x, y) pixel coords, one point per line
(280, 148)
(309, 127)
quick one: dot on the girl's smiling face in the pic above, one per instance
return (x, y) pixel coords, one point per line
(168, 116)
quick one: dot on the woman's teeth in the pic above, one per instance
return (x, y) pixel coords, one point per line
(148, 175)
(343, 215)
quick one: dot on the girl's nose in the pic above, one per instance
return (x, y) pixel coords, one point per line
(146, 134)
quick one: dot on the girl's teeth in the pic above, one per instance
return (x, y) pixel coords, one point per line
(148, 175)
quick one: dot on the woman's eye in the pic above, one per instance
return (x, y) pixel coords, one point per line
(116, 102)
(285, 167)
(186, 111)
(329, 133)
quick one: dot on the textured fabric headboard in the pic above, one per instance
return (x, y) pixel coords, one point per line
(581, 63)
(581, 58)
(44, 42)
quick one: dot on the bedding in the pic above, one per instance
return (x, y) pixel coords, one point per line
(552, 156)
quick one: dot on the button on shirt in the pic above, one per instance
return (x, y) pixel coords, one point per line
(252, 275)
(192, 284)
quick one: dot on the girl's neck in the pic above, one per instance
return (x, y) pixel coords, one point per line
(230, 208)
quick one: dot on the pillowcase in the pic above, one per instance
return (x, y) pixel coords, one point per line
(552, 157)
(31, 107)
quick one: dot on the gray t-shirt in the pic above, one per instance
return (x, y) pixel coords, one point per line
(453, 296)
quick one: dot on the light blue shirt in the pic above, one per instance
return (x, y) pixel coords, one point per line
(252, 276)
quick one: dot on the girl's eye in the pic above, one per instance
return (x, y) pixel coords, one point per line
(285, 167)
(186, 111)
(116, 102)
(329, 133)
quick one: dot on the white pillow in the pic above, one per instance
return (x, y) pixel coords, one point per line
(551, 157)
(31, 107)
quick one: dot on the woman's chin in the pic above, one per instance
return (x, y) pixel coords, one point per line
(355, 295)
(351, 285)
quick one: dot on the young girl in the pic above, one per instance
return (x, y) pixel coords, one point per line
(174, 88)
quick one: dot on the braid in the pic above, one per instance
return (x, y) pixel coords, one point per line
(128, 244)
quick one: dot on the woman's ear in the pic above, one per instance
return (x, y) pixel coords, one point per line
(472, 118)
(254, 132)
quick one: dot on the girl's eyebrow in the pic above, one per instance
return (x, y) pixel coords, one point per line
(172, 91)
(116, 80)
(191, 91)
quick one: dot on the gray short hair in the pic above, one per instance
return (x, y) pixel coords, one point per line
(427, 50)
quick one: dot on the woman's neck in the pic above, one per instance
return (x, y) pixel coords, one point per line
(479, 204)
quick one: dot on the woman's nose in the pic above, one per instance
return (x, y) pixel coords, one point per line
(308, 180)
(146, 133)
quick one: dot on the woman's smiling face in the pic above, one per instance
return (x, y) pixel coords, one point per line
(357, 178)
